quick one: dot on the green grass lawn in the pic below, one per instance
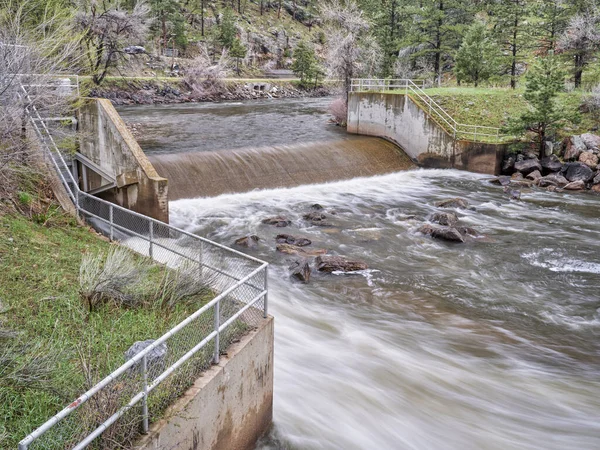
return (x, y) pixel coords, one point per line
(40, 300)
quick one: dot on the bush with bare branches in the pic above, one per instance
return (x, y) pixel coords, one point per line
(205, 78)
(339, 111)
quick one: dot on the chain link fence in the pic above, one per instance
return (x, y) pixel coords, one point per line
(113, 412)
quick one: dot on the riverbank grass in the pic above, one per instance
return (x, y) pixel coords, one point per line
(44, 320)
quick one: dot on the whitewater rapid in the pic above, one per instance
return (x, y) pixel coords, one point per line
(491, 344)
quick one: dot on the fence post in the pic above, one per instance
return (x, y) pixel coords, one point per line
(266, 300)
(475, 137)
(145, 399)
(110, 217)
(151, 250)
(217, 337)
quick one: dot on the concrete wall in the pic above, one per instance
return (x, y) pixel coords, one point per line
(397, 118)
(229, 408)
(106, 141)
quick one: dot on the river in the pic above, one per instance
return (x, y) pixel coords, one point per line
(491, 344)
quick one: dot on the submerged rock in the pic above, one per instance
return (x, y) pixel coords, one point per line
(330, 264)
(278, 221)
(459, 203)
(300, 270)
(295, 250)
(467, 231)
(445, 218)
(514, 194)
(248, 241)
(292, 240)
(317, 218)
(502, 180)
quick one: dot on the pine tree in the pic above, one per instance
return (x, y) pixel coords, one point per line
(237, 51)
(515, 33)
(304, 63)
(544, 81)
(477, 57)
(227, 29)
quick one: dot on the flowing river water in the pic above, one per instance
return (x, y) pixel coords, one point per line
(491, 344)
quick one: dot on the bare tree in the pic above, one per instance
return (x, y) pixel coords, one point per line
(29, 56)
(350, 50)
(581, 40)
(107, 30)
(206, 78)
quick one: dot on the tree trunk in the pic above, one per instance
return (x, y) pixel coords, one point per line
(579, 63)
(513, 67)
(542, 137)
(202, 17)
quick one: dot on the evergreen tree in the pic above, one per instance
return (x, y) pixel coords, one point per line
(544, 81)
(227, 29)
(476, 59)
(515, 33)
(237, 51)
(436, 29)
(304, 60)
(169, 22)
(550, 20)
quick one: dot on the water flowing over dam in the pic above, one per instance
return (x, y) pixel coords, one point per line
(487, 345)
(208, 174)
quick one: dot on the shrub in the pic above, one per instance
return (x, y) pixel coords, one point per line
(339, 110)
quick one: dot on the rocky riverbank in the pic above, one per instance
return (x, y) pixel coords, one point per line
(575, 167)
(149, 92)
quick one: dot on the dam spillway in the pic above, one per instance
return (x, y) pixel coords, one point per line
(208, 174)
(212, 149)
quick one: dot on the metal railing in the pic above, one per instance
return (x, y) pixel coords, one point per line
(477, 133)
(118, 408)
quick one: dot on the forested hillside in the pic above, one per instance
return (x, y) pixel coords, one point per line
(477, 41)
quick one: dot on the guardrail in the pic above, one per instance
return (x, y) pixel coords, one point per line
(115, 410)
(477, 133)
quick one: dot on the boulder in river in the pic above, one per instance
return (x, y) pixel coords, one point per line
(248, 241)
(459, 203)
(278, 221)
(528, 165)
(535, 175)
(300, 270)
(508, 165)
(502, 180)
(295, 250)
(292, 240)
(467, 231)
(329, 264)
(447, 219)
(578, 185)
(442, 233)
(317, 218)
(514, 194)
(551, 164)
(577, 171)
(554, 179)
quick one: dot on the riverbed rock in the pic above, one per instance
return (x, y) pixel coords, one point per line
(502, 180)
(514, 194)
(317, 207)
(447, 219)
(574, 147)
(589, 159)
(329, 264)
(278, 221)
(596, 188)
(554, 179)
(155, 359)
(442, 233)
(577, 171)
(578, 185)
(528, 165)
(300, 251)
(535, 175)
(591, 141)
(292, 240)
(467, 231)
(250, 241)
(300, 270)
(459, 203)
(317, 218)
(517, 176)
